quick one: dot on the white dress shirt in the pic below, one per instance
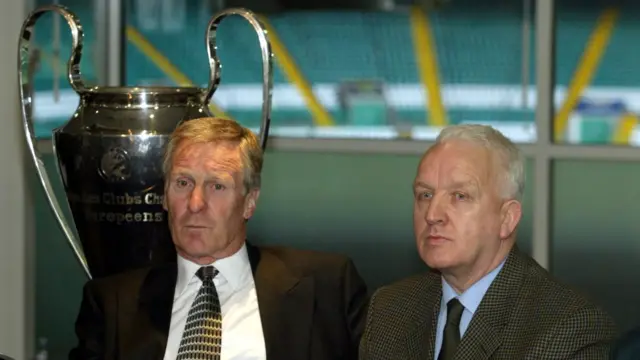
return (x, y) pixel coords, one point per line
(242, 337)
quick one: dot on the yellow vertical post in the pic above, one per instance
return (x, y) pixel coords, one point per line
(624, 128)
(291, 70)
(427, 60)
(587, 66)
(164, 64)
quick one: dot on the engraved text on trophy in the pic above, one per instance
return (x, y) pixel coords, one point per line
(120, 208)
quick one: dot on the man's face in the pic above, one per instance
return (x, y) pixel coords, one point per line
(206, 201)
(459, 217)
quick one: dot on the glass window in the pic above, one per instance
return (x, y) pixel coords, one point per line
(594, 233)
(351, 74)
(402, 72)
(597, 83)
(485, 55)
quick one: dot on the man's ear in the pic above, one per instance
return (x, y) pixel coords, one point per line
(250, 203)
(511, 213)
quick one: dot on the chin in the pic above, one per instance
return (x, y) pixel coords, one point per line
(194, 247)
(439, 264)
(438, 257)
(194, 254)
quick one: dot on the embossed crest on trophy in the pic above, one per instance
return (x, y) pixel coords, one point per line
(109, 154)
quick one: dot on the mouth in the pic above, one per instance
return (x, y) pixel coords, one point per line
(195, 227)
(436, 239)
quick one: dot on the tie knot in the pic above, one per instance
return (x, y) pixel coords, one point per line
(454, 311)
(207, 273)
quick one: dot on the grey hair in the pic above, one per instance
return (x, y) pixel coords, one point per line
(509, 155)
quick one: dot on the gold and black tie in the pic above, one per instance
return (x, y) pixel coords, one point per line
(451, 332)
(202, 337)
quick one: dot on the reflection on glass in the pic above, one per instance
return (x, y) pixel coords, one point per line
(398, 72)
(596, 78)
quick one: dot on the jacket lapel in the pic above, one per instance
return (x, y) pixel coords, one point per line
(149, 324)
(422, 334)
(286, 302)
(486, 330)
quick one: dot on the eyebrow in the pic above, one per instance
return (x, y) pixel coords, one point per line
(220, 176)
(456, 185)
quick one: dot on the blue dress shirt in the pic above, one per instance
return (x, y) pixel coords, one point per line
(470, 299)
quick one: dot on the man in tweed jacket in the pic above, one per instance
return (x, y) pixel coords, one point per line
(482, 298)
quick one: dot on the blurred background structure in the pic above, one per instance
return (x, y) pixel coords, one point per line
(362, 88)
(374, 69)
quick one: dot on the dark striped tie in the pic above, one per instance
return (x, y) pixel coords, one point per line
(202, 337)
(451, 333)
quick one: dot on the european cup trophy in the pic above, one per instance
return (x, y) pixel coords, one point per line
(109, 154)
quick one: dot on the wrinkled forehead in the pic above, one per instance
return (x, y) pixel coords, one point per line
(213, 156)
(457, 161)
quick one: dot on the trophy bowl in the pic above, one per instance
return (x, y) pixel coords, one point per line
(109, 153)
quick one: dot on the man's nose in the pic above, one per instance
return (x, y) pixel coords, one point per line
(196, 200)
(436, 212)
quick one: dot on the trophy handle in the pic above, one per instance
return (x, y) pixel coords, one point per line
(267, 65)
(26, 100)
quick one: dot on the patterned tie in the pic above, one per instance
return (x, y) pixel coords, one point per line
(202, 337)
(451, 330)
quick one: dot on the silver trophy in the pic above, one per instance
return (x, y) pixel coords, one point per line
(109, 154)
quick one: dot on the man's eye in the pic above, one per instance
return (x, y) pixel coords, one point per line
(424, 195)
(460, 196)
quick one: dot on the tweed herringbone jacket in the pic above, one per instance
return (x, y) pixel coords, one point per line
(525, 314)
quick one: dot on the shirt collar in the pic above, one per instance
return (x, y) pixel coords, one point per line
(472, 297)
(235, 269)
